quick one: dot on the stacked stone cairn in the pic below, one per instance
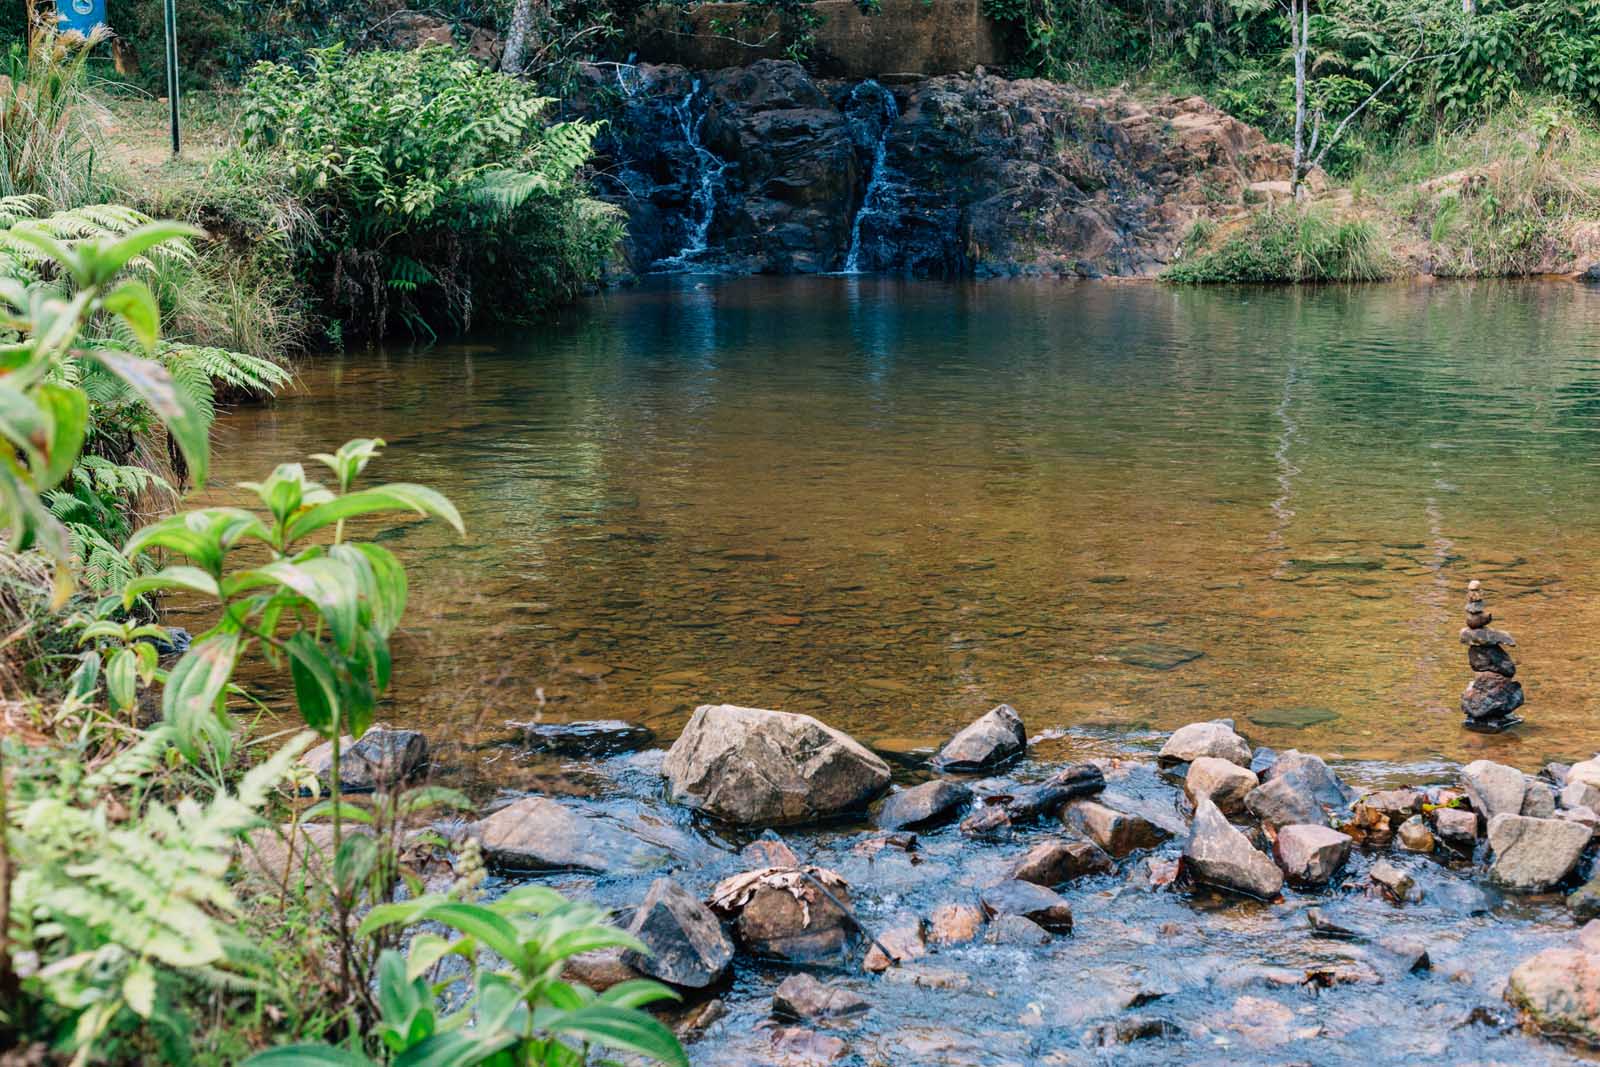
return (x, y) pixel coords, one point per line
(1490, 702)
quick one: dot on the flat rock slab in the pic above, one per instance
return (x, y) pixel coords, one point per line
(538, 834)
(687, 945)
(602, 737)
(926, 805)
(1531, 855)
(769, 768)
(1154, 655)
(1292, 718)
(995, 738)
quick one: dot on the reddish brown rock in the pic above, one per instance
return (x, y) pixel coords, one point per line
(955, 924)
(1053, 862)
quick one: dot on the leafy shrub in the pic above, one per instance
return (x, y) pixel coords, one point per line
(1290, 244)
(48, 134)
(439, 192)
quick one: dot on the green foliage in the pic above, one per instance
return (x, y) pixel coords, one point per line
(427, 174)
(48, 136)
(1289, 244)
(522, 1015)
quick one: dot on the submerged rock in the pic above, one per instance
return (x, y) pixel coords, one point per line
(955, 924)
(1217, 854)
(995, 738)
(1531, 855)
(1043, 906)
(769, 768)
(801, 996)
(928, 804)
(1216, 739)
(598, 738)
(1016, 930)
(897, 944)
(538, 834)
(686, 942)
(1047, 798)
(1311, 854)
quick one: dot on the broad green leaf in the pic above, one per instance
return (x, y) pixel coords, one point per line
(139, 989)
(591, 937)
(456, 1048)
(324, 810)
(316, 689)
(638, 993)
(399, 496)
(133, 302)
(68, 411)
(119, 253)
(395, 914)
(328, 584)
(308, 1056)
(355, 860)
(621, 1030)
(424, 951)
(192, 698)
(122, 679)
(179, 577)
(531, 899)
(382, 579)
(203, 535)
(153, 384)
(478, 922)
(86, 678)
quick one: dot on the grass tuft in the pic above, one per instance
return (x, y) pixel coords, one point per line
(1285, 243)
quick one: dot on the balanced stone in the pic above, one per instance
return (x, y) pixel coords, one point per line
(1490, 702)
(1491, 697)
(1491, 658)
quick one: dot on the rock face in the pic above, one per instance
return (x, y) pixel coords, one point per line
(989, 742)
(1216, 854)
(1224, 784)
(382, 759)
(769, 768)
(779, 912)
(1530, 855)
(537, 834)
(766, 169)
(686, 942)
(1311, 855)
(928, 804)
(1215, 739)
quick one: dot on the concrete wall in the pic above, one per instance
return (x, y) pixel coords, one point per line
(903, 37)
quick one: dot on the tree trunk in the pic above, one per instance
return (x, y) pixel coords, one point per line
(1299, 30)
(516, 53)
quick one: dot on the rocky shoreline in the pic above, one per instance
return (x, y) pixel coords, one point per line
(1211, 827)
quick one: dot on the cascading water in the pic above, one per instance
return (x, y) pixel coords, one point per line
(879, 195)
(628, 77)
(709, 169)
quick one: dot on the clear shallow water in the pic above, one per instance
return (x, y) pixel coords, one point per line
(893, 505)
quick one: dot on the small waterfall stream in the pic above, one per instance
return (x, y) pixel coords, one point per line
(709, 169)
(879, 194)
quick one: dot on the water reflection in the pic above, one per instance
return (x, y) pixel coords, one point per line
(893, 504)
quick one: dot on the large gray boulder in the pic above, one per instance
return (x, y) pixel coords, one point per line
(1531, 855)
(1216, 854)
(769, 768)
(1217, 739)
(538, 834)
(1311, 774)
(993, 739)
(687, 945)
(1493, 788)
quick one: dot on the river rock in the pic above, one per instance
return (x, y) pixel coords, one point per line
(780, 913)
(602, 737)
(1491, 696)
(995, 738)
(1116, 832)
(1217, 854)
(382, 759)
(1397, 805)
(1047, 797)
(599, 970)
(1587, 772)
(1532, 855)
(1395, 883)
(1414, 835)
(929, 804)
(801, 996)
(796, 1046)
(1492, 659)
(897, 944)
(955, 924)
(991, 822)
(769, 768)
(1215, 739)
(1457, 828)
(1016, 930)
(687, 945)
(1493, 788)
(1282, 802)
(1223, 783)
(1557, 993)
(1311, 774)
(538, 834)
(1585, 817)
(1043, 906)
(1310, 854)
(1584, 902)
(1482, 636)
(1050, 863)
(1580, 795)
(1539, 800)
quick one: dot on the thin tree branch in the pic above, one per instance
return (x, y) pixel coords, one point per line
(1338, 130)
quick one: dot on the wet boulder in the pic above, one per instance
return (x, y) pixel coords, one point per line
(382, 759)
(1053, 862)
(1557, 993)
(991, 822)
(687, 945)
(1531, 855)
(1116, 832)
(1217, 854)
(801, 996)
(1414, 835)
(1283, 802)
(538, 834)
(769, 768)
(1034, 902)
(1216, 739)
(1457, 828)
(929, 804)
(1313, 775)
(1311, 854)
(1046, 798)
(1394, 883)
(1493, 788)
(994, 739)
(603, 737)
(1223, 783)
(1016, 930)
(955, 924)
(787, 913)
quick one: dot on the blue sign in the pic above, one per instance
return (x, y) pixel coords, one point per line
(81, 15)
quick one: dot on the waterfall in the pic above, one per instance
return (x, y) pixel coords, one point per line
(879, 194)
(708, 180)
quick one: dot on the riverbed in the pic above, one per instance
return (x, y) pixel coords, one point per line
(1118, 507)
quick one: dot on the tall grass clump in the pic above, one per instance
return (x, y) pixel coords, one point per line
(1289, 243)
(48, 132)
